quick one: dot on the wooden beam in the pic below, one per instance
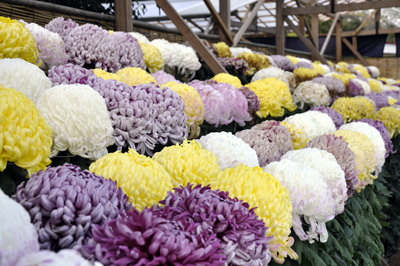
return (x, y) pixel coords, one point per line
(302, 24)
(354, 41)
(355, 52)
(328, 37)
(247, 22)
(196, 25)
(197, 45)
(310, 3)
(280, 30)
(377, 21)
(314, 32)
(341, 7)
(306, 42)
(123, 15)
(219, 21)
(208, 26)
(338, 41)
(364, 22)
(309, 31)
(225, 13)
(371, 32)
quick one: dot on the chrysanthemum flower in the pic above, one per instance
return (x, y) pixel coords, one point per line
(304, 74)
(18, 235)
(241, 232)
(255, 61)
(71, 74)
(380, 99)
(333, 114)
(140, 37)
(293, 59)
(188, 163)
(325, 163)
(375, 85)
(358, 87)
(152, 57)
(299, 139)
(353, 108)
(393, 94)
(312, 124)
(64, 202)
(373, 71)
(144, 181)
(303, 64)
(253, 103)
(79, 119)
(66, 257)
(236, 64)
(363, 70)
(106, 75)
(17, 41)
(229, 150)
(151, 238)
(325, 122)
(25, 135)
(274, 72)
(390, 117)
(223, 49)
(319, 68)
(311, 93)
(134, 76)
(310, 196)
(271, 200)
(283, 62)
(31, 81)
(335, 86)
(161, 77)
(227, 78)
(384, 134)
(61, 26)
(236, 51)
(194, 108)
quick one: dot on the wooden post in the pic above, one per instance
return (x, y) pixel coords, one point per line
(328, 37)
(225, 13)
(338, 41)
(218, 20)
(354, 50)
(280, 30)
(192, 38)
(315, 33)
(302, 24)
(377, 20)
(123, 15)
(364, 22)
(247, 22)
(354, 41)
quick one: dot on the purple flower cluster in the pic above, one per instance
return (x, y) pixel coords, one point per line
(336, 117)
(384, 133)
(64, 202)
(380, 99)
(71, 74)
(234, 63)
(283, 62)
(355, 88)
(304, 64)
(242, 233)
(393, 94)
(161, 77)
(252, 100)
(335, 86)
(61, 26)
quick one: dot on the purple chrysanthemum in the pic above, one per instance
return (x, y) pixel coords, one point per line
(283, 62)
(336, 117)
(380, 99)
(355, 88)
(61, 26)
(234, 63)
(344, 156)
(335, 86)
(384, 133)
(252, 100)
(393, 94)
(71, 74)
(242, 233)
(64, 202)
(161, 77)
(152, 238)
(304, 64)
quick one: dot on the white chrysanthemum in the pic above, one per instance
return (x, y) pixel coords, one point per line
(385, 87)
(274, 72)
(271, 61)
(79, 119)
(312, 93)
(166, 50)
(17, 235)
(24, 77)
(326, 68)
(375, 73)
(304, 60)
(229, 150)
(365, 85)
(308, 124)
(140, 37)
(310, 197)
(391, 81)
(325, 163)
(189, 60)
(374, 136)
(236, 51)
(325, 122)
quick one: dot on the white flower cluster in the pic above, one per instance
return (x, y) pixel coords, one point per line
(236, 51)
(312, 93)
(140, 37)
(274, 72)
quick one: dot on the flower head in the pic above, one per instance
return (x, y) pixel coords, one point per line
(299, 139)
(255, 61)
(253, 103)
(384, 134)
(335, 86)
(140, 37)
(375, 85)
(310, 197)
(393, 94)
(303, 64)
(79, 119)
(373, 71)
(321, 69)
(223, 49)
(390, 117)
(311, 93)
(64, 202)
(294, 60)
(25, 135)
(71, 74)
(152, 57)
(134, 76)
(161, 77)
(61, 26)
(353, 108)
(361, 69)
(66, 257)
(236, 51)
(380, 99)
(274, 72)
(333, 114)
(304, 74)
(312, 123)
(106, 75)
(283, 62)
(227, 78)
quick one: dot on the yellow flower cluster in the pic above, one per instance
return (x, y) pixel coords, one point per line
(299, 139)
(293, 59)
(390, 117)
(263, 191)
(352, 109)
(25, 137)
(343, 69)
(194, 108)
(304, 74)
(106, 75)
(17, 42)
(144, 181)
(342, 78)
(223, 49)
(188, 163)
(255, 62)
(364, 152)
(227, 78)
(363, 70)
(318, 68)
(135, 75)
(375, 85)
(152, 57)
(274, 95)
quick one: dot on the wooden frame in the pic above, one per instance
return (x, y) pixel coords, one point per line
(219, 21)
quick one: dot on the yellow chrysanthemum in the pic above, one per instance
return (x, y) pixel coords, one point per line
(134, 76)
(25, 137)
(110, 32)
(293, 59)
(341, 77)
(318, 68)
(227, 78)
(353, 108)
(331, 64)
(188, 163)
(274, 95)
(17, 42)
(364, 152)
(390, 117)
(152, 57)
(304, 74)
(363, 70)
(264, 192)
(255, 62)
(106, 75)
(223, 49)
(299, 139)
(194, 108)
(343, 69)
(142, 179)
(392, 101)
(375, 85)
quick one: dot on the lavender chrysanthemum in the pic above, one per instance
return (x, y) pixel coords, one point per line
(64, 202)
(304, 64)
(61, 26)
(234, 63)
(384, 133)
(242, 233)
(355, 88)
(152, 238)
(345, 157)
(335, 86)
(393, 94)
(161, 77)
(283, 62)
(252, 100)
(336, 117)
(380, 99)
(71, 74)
